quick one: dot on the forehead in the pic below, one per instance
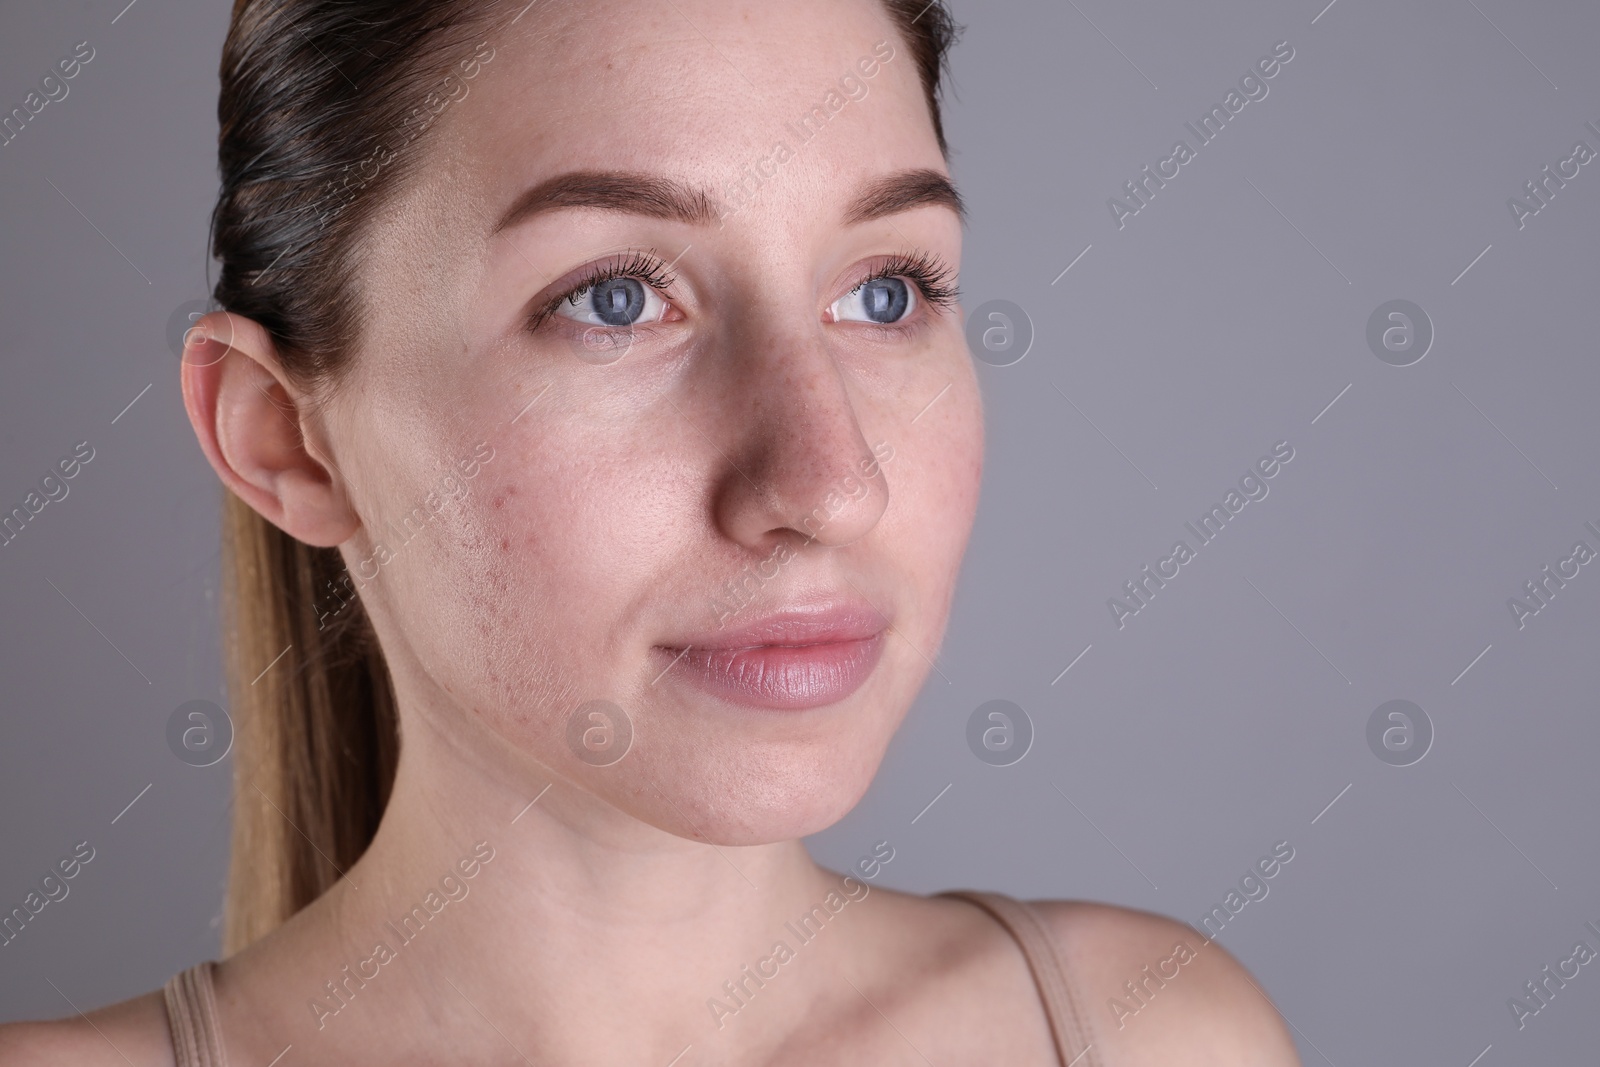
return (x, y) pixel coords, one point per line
(696, 90)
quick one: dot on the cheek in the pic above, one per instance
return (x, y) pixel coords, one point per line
(547, 562)
(933, 483)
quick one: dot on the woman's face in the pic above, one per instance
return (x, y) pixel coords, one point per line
(681, 272)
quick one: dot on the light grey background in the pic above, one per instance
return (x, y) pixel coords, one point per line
(1225, 316)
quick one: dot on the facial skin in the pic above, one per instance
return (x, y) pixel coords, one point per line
(616, 508)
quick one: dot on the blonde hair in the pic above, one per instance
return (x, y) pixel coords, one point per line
(316, 738)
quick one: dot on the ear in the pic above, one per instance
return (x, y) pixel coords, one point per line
(251, 422)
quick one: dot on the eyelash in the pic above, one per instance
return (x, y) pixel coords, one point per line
(645, 266)
(931, 275)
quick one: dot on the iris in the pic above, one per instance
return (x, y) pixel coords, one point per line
(885, 299)
(618, 301)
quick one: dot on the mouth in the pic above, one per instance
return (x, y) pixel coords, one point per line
(788, 660)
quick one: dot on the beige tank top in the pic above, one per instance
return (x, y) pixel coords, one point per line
(1074, 1044)
(192, 1018)
(197, 1040)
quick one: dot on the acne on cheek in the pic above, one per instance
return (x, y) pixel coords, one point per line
(498, 503)
(494, 518)
(506, 675)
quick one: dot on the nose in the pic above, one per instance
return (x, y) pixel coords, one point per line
(797, 463)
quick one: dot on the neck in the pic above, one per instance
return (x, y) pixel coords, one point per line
(579, 932)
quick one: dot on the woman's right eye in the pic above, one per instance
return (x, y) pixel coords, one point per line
(622, 301)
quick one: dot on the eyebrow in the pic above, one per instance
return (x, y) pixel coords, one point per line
(901, 191)
(635, 194)
(664, 198)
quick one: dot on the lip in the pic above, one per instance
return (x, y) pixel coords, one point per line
(795, 659)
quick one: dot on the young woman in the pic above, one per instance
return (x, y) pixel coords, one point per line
(601, 448)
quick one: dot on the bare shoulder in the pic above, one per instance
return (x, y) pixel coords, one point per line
(131, 1031)
(1158, 992)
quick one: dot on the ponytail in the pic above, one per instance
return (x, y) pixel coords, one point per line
(316, 738)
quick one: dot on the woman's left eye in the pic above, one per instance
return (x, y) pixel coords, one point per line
(880, 300)
(623, 301)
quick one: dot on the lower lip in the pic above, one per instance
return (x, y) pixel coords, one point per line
(784, 677)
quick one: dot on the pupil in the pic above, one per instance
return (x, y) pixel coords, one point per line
(886, 299)
(619, 301)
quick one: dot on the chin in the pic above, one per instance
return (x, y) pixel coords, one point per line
(754, 790)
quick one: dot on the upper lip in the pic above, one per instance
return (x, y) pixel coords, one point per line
(833, 621)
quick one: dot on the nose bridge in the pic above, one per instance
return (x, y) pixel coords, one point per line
(803, 462)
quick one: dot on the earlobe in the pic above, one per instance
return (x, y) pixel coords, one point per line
(246, 415)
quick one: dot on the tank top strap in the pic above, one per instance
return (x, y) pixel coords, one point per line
(1074, 1046)
(192, 1018)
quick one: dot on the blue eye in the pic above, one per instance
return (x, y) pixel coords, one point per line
(618, 301)
(881, 300)
(622, 301)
